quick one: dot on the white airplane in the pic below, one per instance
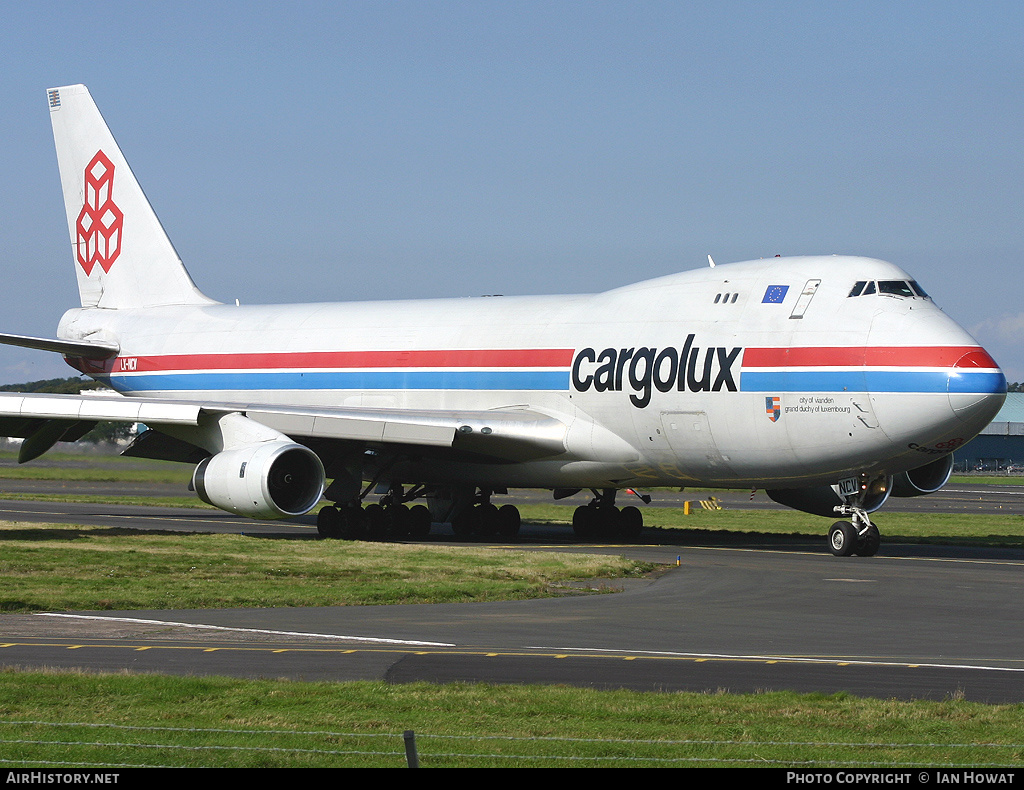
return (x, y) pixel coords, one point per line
(831, 382)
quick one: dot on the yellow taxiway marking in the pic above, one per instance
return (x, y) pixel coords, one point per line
(514, 653)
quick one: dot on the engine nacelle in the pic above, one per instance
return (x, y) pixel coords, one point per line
(276, 479)
(822, 500)
(925, 479)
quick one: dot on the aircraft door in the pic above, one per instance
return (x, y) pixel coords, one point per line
(692, 444)
(810, 288)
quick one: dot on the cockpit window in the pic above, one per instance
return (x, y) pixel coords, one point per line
(895, 288)
(889, 287)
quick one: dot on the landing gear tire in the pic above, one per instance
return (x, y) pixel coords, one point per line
(631, 522)
(328, 522)
(397, 520)
(590, 522)
(346, 522)
(842, 539)
(509, 521)
(376, 522)
(420, 522)
(485, 520)
(867, 544)
(602, 519)
(584, 522)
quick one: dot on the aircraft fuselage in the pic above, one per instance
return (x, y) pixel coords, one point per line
(765, 373)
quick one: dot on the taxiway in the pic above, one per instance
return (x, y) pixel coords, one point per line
(913, 622)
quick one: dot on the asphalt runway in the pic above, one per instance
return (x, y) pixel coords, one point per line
(914, 622)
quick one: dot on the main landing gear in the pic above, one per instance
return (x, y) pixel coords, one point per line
(602, 519)
(374, 522)
(480, 518)
(392, 518)
(858, 536)
(472, 516)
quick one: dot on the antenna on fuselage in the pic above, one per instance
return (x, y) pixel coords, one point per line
(711, 262)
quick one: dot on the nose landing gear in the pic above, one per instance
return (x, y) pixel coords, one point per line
(858, 536)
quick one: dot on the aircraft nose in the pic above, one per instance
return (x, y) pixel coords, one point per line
(976, 388)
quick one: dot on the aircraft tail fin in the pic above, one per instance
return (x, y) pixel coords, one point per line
(123, 257)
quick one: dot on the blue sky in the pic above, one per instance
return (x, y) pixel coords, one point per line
(361, 150)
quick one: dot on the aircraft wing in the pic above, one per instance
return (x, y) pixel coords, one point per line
(500, 435)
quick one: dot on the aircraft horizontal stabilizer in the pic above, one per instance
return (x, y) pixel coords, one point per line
(87, 349)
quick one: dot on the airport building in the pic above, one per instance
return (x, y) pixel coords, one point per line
(1000, 447)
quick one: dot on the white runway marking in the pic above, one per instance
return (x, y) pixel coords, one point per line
(378, 640)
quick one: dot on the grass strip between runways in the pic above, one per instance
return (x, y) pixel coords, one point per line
(58, 567)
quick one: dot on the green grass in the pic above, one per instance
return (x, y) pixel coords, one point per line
(54, 567)
(191, 501)
(702, 526)
(220, 722)
(987, 479)
(97, 467)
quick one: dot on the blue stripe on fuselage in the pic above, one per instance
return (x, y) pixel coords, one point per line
(347, 380)
(854, 380)
(872, 381)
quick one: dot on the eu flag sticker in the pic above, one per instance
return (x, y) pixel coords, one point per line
(774, 294)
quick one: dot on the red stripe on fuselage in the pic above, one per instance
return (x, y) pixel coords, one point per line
(826, 356)
(456, 358)
(843, 356)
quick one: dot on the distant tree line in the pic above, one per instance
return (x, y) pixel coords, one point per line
(108, 432)
(69, 386)
(1017, 386)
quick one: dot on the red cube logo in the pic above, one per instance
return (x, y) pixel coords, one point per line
(100, 220)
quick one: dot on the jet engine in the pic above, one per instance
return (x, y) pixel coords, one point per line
(276, 479)
(822, 500)
(925, 479)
